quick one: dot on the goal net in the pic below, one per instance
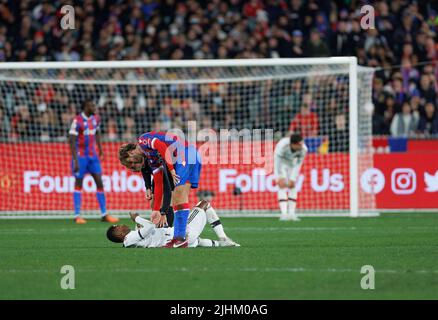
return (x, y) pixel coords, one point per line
(234, 110)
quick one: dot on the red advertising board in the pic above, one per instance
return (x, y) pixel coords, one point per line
(37, 176)
(409, 180)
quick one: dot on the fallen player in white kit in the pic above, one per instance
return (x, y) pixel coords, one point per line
(289, 156)
(147, 235)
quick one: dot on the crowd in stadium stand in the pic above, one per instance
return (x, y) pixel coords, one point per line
(403, 47)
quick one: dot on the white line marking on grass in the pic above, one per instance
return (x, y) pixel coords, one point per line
(291, 228)
(50, 231)
(209, 270)
(79, 230)
(377, 228)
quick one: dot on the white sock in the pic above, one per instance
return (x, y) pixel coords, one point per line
(282, 200)
(207, 243)
(213, 220)
(292, 201)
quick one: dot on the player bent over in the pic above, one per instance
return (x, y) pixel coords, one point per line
(147, 235)
(289, 155)
(84, 135)
(164, 185)
(184, 164)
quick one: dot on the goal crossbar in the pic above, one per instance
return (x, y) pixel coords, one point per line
(177, 63)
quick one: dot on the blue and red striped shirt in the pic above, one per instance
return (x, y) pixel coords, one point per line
(158, 144)
(85, 128)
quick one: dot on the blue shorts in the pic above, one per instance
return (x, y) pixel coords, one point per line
(87, 165)
(189, 170)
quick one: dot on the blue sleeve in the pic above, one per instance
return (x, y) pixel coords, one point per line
(145, 140)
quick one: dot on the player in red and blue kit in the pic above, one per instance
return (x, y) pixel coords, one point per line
(184, 164)
(84, 137)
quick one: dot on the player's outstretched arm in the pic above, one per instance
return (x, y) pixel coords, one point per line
(133, 215)
(146, 172)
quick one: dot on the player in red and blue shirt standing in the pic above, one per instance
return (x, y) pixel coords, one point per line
(84, 136)
(184, 164)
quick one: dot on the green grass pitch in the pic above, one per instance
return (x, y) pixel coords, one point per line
(316, 258)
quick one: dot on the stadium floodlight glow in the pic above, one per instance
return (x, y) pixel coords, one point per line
(222, 94)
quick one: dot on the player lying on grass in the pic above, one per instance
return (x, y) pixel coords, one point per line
(164, 183)
(289, 156)
(184, 164)
(147, 235)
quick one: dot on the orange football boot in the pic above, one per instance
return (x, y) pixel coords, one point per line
(110, 219)
(80, 220)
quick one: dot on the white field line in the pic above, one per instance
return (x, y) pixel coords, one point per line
(244, 229)
(66, 215)
(215, 270)
(262, 229)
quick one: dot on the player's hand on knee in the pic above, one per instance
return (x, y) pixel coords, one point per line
(281, 183)
(291, 184)
(133, 215)
(155, 217)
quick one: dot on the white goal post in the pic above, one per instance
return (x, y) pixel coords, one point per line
(38, 101)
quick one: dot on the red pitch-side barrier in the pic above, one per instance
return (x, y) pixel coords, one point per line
(37, 176)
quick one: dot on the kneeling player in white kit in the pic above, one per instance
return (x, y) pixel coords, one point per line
(288, 157)
(147, 235)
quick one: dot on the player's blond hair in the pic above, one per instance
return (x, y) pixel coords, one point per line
(124, 152)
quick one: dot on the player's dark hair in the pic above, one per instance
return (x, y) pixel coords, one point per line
(84, 103)
(112, 236)
(295, 138)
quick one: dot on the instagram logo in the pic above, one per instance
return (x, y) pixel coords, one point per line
(403, 181)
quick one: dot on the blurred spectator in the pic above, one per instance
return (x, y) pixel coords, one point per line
(297, 44)
(427, 89)
(66, 54)
(306, 122)
(339, 135)
(428, 124)
(129, 134)
(379, 125)
(316, 46)
(341, 42)
(111, 130)
(5, 127)
(404, 124)
(22, 124)
(402, 48)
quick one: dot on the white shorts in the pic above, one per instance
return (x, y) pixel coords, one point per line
(286, 171)
(195, 224)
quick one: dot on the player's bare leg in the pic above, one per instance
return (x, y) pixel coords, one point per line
(292, 201)
(100, 195)
(198, 219)
(77, 194)
(216, 225)
(282, 197)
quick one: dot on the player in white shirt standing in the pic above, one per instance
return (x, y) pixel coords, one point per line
(289, 156)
